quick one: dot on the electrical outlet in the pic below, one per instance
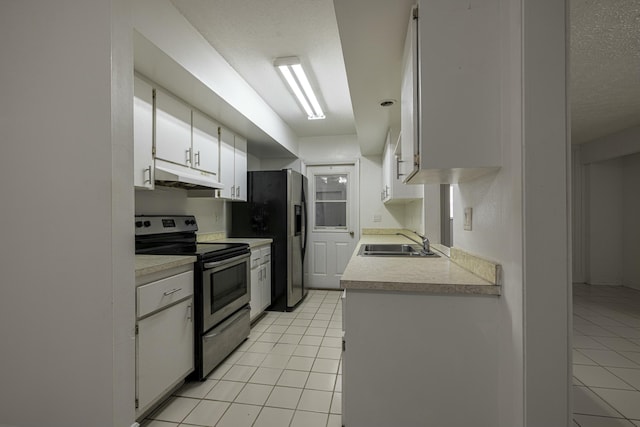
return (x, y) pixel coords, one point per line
(468, 219)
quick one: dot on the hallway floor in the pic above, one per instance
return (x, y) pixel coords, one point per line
(287, 373)
(606, 356)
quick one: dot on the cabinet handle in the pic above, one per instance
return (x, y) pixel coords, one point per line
(172, 291)
(197, 156)
(188, 151)
(398, 174)
(145, 171)
(238, 191)
(189, 313)
(233, 191)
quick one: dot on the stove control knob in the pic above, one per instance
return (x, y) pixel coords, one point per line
(138, 224)
(147, 223)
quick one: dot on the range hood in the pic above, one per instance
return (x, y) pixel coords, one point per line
(177, 176)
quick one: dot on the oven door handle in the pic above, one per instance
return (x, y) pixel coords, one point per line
(208, 265)
(227, 324)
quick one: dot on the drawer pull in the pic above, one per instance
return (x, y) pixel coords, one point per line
(172, 291)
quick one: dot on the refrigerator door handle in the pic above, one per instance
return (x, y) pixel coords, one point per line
(303, 241)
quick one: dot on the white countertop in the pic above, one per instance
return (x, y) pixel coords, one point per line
(411, 274)
(147, 264)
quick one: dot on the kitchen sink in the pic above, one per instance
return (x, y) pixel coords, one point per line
(396, 249)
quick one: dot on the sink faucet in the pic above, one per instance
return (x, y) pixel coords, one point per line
(426, 246)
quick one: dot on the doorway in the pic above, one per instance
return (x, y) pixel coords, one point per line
(333, 222)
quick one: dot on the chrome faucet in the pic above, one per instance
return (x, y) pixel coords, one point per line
(426, 246)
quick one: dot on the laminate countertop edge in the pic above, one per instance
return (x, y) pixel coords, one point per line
(148, 264)
(438, 276)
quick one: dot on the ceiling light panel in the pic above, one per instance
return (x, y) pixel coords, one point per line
(297, 79)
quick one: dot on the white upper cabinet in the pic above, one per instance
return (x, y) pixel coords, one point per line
(393, 189)
(240, 168)
(173, 129)
(233, 166)
(205, 153)
(142, 134)
(451, 105)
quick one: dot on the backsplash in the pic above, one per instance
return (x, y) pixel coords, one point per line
(211, 214)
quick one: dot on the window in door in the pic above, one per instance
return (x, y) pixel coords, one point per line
(331, 201)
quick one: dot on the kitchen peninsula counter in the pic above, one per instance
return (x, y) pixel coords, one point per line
(148, 264)
(411, 274)
(428, 328)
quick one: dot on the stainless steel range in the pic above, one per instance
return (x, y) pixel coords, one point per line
(221, 288)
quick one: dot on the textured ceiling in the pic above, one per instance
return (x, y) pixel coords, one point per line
(605, 67)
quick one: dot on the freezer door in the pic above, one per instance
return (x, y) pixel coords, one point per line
(295, 238)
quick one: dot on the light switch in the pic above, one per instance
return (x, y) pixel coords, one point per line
(468, 218)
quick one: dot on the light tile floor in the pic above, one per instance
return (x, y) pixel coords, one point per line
(606, 356)
(287, 373)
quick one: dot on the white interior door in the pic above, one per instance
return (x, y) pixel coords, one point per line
(333, 222)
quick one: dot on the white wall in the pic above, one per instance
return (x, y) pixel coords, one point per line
(520, 217)
(606, 230)
(605, 222)
(67, 307)
(253, 163)
(211, 214)
(414, 217)
(432, 212)
(329, 149)
(277, 164)
(630, 222)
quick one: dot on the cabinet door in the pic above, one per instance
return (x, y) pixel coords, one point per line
(266, 286)
(256, 292)
(164, 351)
(409, 111)
(205, 144)
(240, 162)
(387, 166)
(142, 134)
(173, 129)
(227, 171)
(266, 276)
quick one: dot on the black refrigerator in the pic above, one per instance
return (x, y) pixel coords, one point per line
(276, 208)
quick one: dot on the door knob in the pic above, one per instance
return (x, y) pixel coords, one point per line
(351, 233)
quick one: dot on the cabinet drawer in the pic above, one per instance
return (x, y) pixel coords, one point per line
(265, 253)
(155, 295)
(255, 257)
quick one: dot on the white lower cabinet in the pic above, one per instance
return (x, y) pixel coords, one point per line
(265, 252)
(412, 359)
(164, 335)
(260, 279)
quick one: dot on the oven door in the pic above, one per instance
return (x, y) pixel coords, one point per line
(225, 289)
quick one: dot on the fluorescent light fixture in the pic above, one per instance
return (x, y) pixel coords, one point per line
(295, 76)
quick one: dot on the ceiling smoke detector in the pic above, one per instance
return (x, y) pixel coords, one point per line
(387, 102)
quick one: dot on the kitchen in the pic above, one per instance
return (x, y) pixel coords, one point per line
(69, 322)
